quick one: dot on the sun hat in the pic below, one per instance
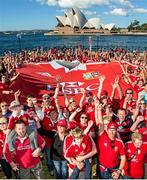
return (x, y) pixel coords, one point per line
(14, 104)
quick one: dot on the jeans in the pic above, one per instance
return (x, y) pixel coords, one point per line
(87, 171)
(6, 168)
(106, 174)
(60, 169)
(36, 171)
(50, 164)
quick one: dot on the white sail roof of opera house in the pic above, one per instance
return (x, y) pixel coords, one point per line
(92, 23)
(107, 26)
(79, 16)
(75, 18)
(61, 20)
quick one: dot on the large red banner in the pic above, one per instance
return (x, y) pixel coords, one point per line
(41, 78)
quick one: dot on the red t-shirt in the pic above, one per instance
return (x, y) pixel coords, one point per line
(136, 164)
(24, 152)
(89, 110)
(67, 142)
(108, 156)
(2, 142)
(138, 89)
(74, 149)
(83, 127)
(51, 107)
(4, 86)
(48, 126)
(132, 104)
(143, 131)
(134, 78)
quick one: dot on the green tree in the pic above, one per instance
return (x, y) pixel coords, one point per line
(134, 25)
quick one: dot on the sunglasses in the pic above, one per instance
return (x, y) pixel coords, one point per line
(142, 103)
(72, 102)
(46, 98)
(3, 123)
(129, 93)
(4, 105)
(112, 144)
(83, 117)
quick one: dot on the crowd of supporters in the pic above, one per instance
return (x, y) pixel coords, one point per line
(75, 136)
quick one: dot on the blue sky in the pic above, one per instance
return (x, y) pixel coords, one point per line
(40, 14)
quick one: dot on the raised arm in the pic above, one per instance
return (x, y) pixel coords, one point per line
(99, 118)
(101, 79)
(127, 75)
(120, 91)
(73, 115)
(58, 78)
(135, 124)
(87, 130)
(114, 86)
(135, 113)
(82, 98)
(17, 96)
(96, 103)
(65, 97)
(14, 77)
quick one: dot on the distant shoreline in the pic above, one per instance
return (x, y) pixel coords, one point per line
(51, 33)
(97, 34)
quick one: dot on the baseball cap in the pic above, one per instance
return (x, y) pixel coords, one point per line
(62, 122)
(112, 125)
(30, 109)
(72, 124)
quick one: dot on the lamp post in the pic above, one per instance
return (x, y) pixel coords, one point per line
(19, 40)
(90, 43)
(97, 41)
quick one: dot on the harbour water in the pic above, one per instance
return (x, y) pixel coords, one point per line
(11, 42)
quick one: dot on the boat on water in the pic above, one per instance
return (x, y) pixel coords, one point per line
(6, 33)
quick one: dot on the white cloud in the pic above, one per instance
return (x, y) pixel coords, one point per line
(62, 10)
(124, 3)
(42, 2)
(52, 2)
(87, 12)
(71, 3)
(86, 3)
(140, 10)
(119, 12)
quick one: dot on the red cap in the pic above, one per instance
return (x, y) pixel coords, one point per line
(62, 122)
(72, 125)
(30, 109)
(104, 93)
(112, 125)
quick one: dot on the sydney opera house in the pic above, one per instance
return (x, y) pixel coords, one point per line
(75, 22)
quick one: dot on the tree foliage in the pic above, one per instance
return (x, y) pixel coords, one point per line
(135, 25)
